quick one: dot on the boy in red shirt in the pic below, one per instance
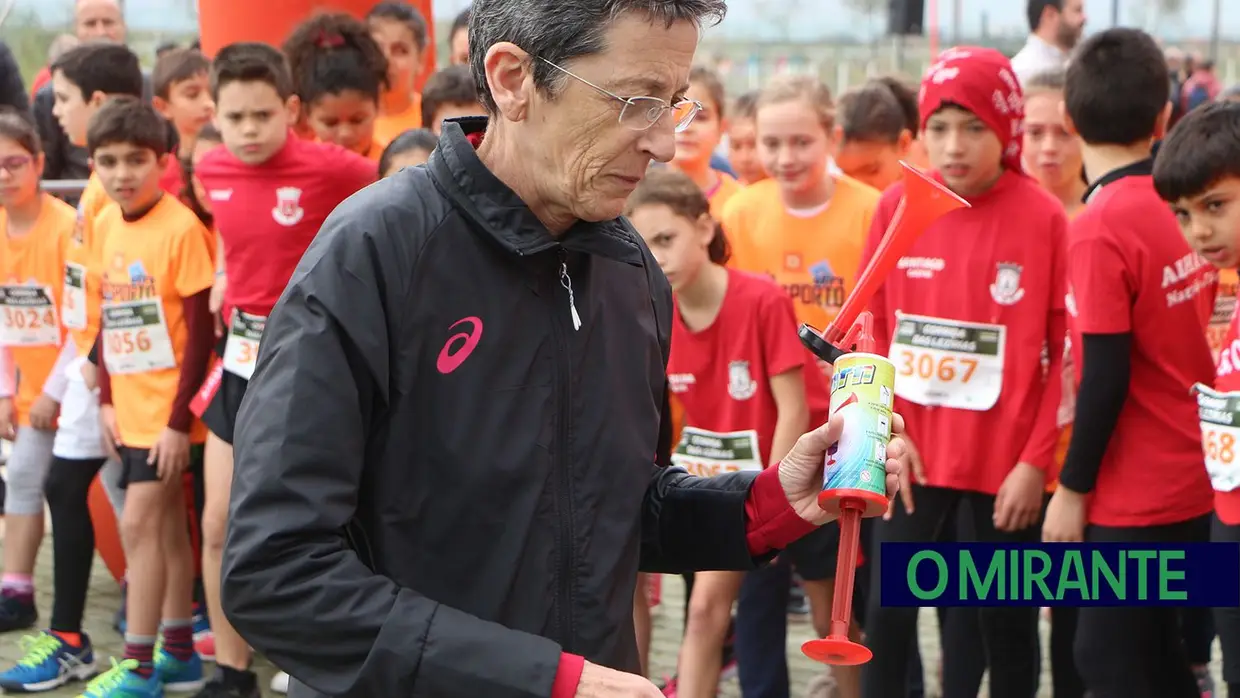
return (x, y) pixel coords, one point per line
(269, 192)
(1198, 172)
(966, 318)
(1140, 300)
(183, 97)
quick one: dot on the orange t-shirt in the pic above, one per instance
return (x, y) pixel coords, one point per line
(814, 255)
(150, 266)
(722, 194)
(389, 126)
(80, 312)
(32, 272)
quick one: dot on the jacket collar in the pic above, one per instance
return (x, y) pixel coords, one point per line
(1137, 169)
(499, 213)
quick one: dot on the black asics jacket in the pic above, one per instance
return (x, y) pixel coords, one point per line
(440, 483)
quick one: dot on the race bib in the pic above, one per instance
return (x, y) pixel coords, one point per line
(1220, 429)
(709, 453)
(135, 337)
(29, 316)
(73, 314)
(948, 363)
(241, 349)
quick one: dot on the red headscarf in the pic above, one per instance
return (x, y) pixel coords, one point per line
(979, 80)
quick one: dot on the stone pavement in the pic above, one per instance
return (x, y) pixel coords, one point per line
(668, 622)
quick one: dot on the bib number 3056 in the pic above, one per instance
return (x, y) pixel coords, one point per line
(135, 338)
(948, 363)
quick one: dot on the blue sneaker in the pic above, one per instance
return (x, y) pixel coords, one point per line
(121, 682)
(202, 624)
(48, 664)
(176, 675)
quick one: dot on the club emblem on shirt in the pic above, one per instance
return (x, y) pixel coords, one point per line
(288, 210)
(1006, 289)
(741, 385)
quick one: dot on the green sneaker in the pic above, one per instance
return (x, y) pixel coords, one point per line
(121, 682)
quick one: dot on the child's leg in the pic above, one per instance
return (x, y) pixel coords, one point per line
(73, 542)
(231, 650)
(142, 532)
(710, 612)
(641, 620)
(23, 505)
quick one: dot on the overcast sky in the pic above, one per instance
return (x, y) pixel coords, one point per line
(748, 18)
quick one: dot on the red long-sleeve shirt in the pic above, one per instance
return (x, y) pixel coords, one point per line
(973, 318)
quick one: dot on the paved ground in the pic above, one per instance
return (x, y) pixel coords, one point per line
(668, 621)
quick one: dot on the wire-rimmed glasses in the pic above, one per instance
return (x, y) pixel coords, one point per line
(640, 113)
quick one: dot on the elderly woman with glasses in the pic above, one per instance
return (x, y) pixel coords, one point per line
(445, 465)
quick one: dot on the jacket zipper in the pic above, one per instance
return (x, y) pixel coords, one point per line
(562, 462)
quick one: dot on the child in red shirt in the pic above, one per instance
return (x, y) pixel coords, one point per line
(1140, 300)
(747, 385)
(339, 72)
(269, 192)
(875, 132)
(1197, 171)
(966, 318)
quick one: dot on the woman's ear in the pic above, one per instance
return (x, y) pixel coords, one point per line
(904, 141)
(510, 78)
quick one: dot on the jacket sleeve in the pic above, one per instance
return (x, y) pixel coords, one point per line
(291, 568)
(12, 90)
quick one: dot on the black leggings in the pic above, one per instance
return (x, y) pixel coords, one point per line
(1137, 651)
(1227, 620)
(67, 491)
(1009, 634)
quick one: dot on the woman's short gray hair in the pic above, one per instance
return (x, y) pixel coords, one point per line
(561, 30)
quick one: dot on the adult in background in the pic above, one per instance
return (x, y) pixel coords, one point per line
(93, 20)
(476, 352)
(458, 39)
(1055, 28)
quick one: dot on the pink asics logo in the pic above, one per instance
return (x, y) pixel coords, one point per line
(459, 346)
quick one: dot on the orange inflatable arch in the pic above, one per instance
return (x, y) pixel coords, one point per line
(222, 22)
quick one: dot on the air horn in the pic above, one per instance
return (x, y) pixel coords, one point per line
(862, 386)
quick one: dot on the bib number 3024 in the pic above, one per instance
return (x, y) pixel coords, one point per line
(135, 338)
(1220, 436)
(28, 316)
(241, 350)
(948, 363)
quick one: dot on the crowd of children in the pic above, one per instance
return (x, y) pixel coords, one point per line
(1097, 356)
(131, 325)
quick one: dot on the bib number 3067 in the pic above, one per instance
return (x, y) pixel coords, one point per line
(948, 363)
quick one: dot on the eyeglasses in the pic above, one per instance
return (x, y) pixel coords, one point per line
(640, 113)
(15, 164)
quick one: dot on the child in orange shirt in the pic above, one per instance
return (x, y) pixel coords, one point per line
(155, 342)
(449, 94)
(35, 227)
(743, 139)
(340, 73)
(805, 229)
(697, 143)
(400, 31)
